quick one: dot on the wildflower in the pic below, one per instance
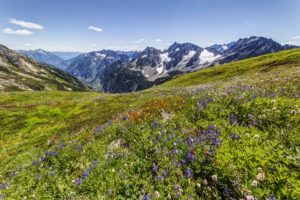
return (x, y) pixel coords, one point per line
(79, 148)
(254, 183)
(35, 163)
(3, 186)
(232, 119)
(174, 151)
(155, 168)
(198, 185)
(52, 173)
(205, 182)
(179, 194)
(260, 176)
(160, 178)
(188, 173)
(43, 158)
(124, 117)
(235, 137)
(154, 125)
(156, 193)
(176, 187)
(214, 177)
(147, 197)
(190, 156)
(272, 197)
(165, 174)
(78, 182)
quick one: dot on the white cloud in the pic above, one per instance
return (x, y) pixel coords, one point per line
(139, 41)
(25, 24)
(158, 40)
(17, 32)
(27, 44)
(93, 28)
(290, 43)
(296, 37)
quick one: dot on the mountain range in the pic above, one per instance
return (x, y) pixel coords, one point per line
(119, 71)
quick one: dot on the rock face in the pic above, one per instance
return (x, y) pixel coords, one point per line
(19, 73)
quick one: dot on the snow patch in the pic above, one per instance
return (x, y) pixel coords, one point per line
(164, 58)
(207, 57)
(187, 57)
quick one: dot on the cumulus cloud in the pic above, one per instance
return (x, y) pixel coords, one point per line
(93, 28)
(139, 41)
(158, 40)
(296, 37)
(26, 24)
(16, 32)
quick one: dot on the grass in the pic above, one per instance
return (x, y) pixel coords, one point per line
(231, 131)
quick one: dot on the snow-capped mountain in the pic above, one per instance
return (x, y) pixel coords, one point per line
(89, 67)
(156, 65)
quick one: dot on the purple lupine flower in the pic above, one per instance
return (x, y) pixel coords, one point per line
(86, 173)
(190, 141)
(154, 125)
(54, 153)
(43, 158)
(95, 163)
(78, 182)
(232, 119)
(147, 197)
(190, 157)
(79, 148)
(235, 137)
(165, 174)
(35, 163)
(124, 118)
(160, 178)
(174, 151)
(178, 194)
(188, 173)
(3, 186)
(155, 168)
(176, 187)
(62, 146)
(272, 197)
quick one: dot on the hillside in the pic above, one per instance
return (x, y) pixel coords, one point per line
(225, 132)
(19, 73)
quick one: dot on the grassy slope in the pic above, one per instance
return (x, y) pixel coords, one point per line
(31, 123)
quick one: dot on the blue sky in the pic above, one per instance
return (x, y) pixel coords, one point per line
(86, 25)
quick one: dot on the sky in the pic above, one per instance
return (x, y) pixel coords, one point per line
(89, 25)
